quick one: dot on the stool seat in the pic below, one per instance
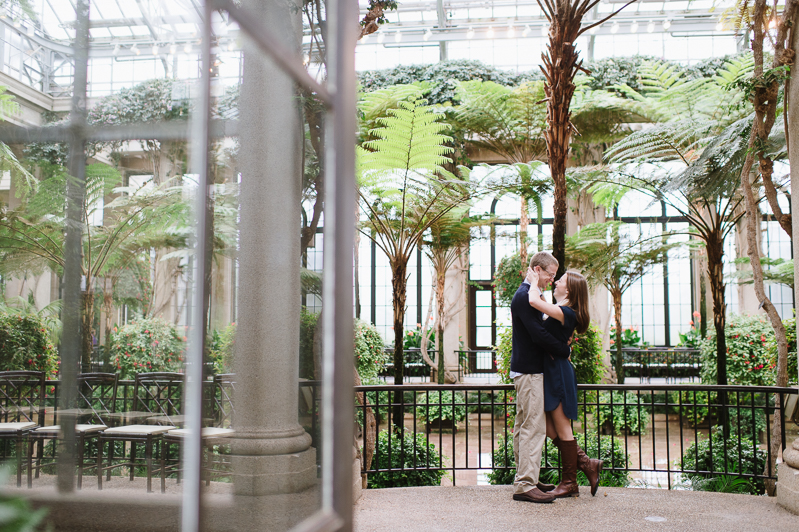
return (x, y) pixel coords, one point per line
(17, 426)
(82, 428)
(138, 430)
(207, 432)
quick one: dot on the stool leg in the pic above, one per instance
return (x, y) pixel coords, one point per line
(164, 450)
(99, 463)
(19, 460)
(111, 445)
(81, 439)
(148, 458)
(30, 463)
(132, 458)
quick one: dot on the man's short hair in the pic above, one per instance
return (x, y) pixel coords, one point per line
(544, 260)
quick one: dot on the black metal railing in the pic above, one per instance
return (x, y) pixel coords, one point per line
(671, 363)
(414, 366)
(669, 434)
(476, 362)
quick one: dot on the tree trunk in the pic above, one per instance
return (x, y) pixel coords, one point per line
(356, 254)
(108, 307)
(369, 430)
(524, 222)
(560, 67)
(441, 278)
(619, 365)
(399, 283)
(87, 322)
(715, 269)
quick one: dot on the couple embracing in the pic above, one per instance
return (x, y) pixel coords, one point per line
(546, 386)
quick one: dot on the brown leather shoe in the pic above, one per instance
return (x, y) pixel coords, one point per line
(533, 495)
(545, 487)
(568, 480)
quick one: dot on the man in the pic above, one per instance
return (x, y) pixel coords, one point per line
(531, 344)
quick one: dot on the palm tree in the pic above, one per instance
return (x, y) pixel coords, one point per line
(560, 68)
(691, 162)
(449, 236)
(609, 254)
(403, 191)
(32, 235)
(508, 122)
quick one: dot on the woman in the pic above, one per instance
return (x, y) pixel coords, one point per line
(560, 383)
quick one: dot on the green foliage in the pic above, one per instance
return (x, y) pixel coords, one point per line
(370, 355)
(790, 333)
(612, 71)
(586, 355)
(626, 414)
(16, 513)
(146, 345)
(614, 473)
(746, 458)
(692, 337)
(26, 345)
(49, 314)
(413, 339)
(748, 360)
(410, 454)
(507, 278)
(308, 322)
(431, 411)
(221, 348)
(442, 77)
(629, 337)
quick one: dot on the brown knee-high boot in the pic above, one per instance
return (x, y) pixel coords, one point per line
(568, 480)
(591, 467)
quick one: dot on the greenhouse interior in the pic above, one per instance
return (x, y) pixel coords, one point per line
(545, 255)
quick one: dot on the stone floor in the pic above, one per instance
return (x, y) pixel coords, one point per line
(491, 508)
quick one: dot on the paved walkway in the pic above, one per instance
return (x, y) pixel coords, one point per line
(490, 508)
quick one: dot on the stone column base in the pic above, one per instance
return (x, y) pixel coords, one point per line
(357, 480)
(788, 487)
(273, 474)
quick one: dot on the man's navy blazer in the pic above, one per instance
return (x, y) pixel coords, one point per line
(532, 344)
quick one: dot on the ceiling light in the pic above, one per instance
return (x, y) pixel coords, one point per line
(719, 26)
(511, 32)
(116, 49)
(470, 33)
(398, 36)
(650, 27)
(666, 24)
(592, 31)
(173, 48)
(772, 24)
(364, 40)
(306, 59)
(17, 23)
(187, 48)
(526, 31)
(135, 50)
(545, 30)
(155, 49)
(427, 34)
(381, 36)
(614, 28)
(634, 27)
(490, 32)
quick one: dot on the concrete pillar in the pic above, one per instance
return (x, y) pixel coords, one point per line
(271, 451)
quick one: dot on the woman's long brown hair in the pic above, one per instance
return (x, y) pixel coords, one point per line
(578, 299)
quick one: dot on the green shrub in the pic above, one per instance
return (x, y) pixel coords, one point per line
(790, 332)
(308, 322)
(507, 278)
(429, 409)
(626, 414)
(748, 361)
(481, 402)
(586, 355)
(16, 513)
(25, 345)
(220, 349)
(746, 459)
(146, 345)
(412, 463)
(614, 473)
(370, 355)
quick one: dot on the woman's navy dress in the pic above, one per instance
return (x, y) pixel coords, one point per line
(560, 382)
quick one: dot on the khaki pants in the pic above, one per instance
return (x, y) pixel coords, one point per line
(529, 430)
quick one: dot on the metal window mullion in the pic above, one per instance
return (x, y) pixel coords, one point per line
(73, 246)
